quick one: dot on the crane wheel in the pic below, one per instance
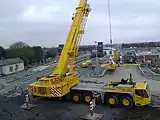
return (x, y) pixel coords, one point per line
(87, 97)
(76, 97)
(127, 102)
(112, 100)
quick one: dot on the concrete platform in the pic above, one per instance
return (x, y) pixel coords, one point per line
(95, 116)
(30, 106)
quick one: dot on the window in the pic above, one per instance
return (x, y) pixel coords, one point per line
(148, 90)
(11, 69)
(145, 94)
(142, 93)
(139, 92)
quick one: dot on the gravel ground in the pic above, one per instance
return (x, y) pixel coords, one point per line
(60, 110)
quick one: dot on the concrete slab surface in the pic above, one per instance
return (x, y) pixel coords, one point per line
(95, 116)
(27, 107)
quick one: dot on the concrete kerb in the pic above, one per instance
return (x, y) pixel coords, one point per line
(149, 76)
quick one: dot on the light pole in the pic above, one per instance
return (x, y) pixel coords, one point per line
(110, 24)
(96, 55)
(43, 55)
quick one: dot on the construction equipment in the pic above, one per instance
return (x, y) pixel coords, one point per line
(110, 65)
(85, 64)
(116, 56)
(125, 93)
(59, 83)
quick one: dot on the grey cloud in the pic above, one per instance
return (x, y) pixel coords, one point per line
(132, 20)
(10, 8)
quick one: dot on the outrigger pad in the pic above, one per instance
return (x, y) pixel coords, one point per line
(95, 116)
(27, 107)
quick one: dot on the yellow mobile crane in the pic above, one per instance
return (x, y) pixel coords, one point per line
(58, 83)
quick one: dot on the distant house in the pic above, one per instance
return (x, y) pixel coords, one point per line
(10, 66)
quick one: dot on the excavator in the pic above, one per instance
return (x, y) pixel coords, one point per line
(59, 82)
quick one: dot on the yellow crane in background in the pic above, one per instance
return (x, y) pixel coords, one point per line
(86, 64)
(59, 83)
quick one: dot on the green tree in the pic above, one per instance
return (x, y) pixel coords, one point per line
(25, 54)
(2, 52)
(38, 53)
(19, 44)
(151, 44)
(51, 53)
(20, 50)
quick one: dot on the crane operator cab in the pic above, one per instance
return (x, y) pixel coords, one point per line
(142, 94)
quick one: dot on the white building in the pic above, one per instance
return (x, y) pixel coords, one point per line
(109, 50)
(10, 66)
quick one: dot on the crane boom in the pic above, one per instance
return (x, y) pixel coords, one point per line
(59, 83)
(74, 37)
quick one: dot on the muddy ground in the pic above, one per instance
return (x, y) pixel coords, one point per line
(60, 110)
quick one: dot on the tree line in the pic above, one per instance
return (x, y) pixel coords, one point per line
(30, 55)
(145, 44)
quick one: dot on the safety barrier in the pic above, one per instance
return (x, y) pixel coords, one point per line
(92, 105)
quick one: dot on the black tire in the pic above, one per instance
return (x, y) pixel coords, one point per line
(67, 97)
(129, 104)
(108, 99)
(87, 97)
(76, 97)
(99, 100)
(34, 96)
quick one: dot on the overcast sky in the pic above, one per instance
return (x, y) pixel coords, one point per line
(47, 22)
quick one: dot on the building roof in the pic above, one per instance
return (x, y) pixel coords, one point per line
(5, 62)
(108, 48)
(144, 53)
(148, 53)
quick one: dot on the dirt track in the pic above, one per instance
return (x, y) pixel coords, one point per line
(60, 110)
